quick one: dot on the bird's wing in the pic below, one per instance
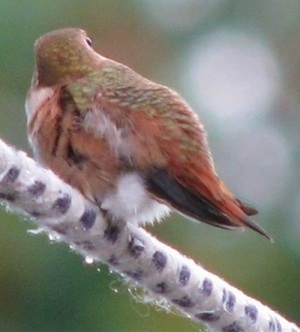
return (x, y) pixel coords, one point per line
(164, 186)
(193, 204)
(158, 135)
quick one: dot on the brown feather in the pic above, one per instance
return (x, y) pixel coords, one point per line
(61, 144)
(103, 120)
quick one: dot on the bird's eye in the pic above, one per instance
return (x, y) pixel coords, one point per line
(88, 41)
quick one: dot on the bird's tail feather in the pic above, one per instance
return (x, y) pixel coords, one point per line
(167, 189)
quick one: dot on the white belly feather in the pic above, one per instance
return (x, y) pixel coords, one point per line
(131, 202)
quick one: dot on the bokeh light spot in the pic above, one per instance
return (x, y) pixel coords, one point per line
(232, 76)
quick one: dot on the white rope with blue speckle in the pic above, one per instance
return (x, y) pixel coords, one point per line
(163, 272)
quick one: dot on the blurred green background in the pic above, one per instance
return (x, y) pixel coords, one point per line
(238, 64)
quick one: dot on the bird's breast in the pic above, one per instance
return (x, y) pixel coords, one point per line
(60, 142)
(35, 99)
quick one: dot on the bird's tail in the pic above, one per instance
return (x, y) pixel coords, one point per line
(218, 208)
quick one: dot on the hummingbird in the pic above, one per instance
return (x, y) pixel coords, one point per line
(132, 146)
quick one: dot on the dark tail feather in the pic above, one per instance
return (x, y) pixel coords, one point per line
(248, 209)
(253, 225)
(164, 186)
